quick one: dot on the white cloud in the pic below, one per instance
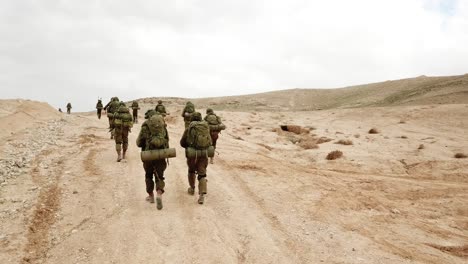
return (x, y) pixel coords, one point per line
(60, 51)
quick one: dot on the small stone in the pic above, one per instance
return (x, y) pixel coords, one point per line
(75, 192)
(395, 211)
(74, 231)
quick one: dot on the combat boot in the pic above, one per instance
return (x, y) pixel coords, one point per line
(191, 180)
(125, 147)
(202, 189)
(150, 198)
(211, 160)
(159, 204)
(118, 148)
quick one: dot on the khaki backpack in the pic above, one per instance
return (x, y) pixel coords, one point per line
(159, 138)
(198, 135)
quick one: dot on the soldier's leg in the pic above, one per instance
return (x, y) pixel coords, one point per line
(118, 144)
(159, 167)
(124, 141)
(191, 176)
(202, 164)
(149, 180)
(214, 138)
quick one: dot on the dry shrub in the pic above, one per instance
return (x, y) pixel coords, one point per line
(374, 131)
(323, 140)
(344, 142)
(308, 144)
(402, 121)
(460, 155)
(421, 146)
(404, 137)
(292, 128)
(336, 154)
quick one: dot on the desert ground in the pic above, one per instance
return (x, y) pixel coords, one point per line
(395, 196)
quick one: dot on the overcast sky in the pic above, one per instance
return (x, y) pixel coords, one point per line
(75, 51)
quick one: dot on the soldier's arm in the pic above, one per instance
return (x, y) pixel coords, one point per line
(141, 139)
(183, 140)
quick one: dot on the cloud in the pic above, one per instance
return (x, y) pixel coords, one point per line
(59, 51)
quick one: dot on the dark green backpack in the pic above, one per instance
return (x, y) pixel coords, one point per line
(157, 127)
(198, 135)
(212, 119)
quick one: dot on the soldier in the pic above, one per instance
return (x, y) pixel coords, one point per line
(99, 108)
(69, 107)
(216, 126)
(112, 108)
(60, 110)
(123, 123)
(187, 113)
(197, 136)
(135, 108)
(160, 108)
(153, 135)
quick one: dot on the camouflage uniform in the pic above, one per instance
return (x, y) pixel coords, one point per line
(160, 108)
(69, 107)
(154, 168)
(122, 126)
(112, 108)
(196, 165)
(213, 119)
(135, 108)
(189, 109)
(99, 108)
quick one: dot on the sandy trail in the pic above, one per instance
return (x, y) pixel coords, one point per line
(269, 200)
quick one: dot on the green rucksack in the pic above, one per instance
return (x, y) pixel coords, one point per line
(159, 138)
(189, 108)
(198, 135)
(212, 119)
(113, 107)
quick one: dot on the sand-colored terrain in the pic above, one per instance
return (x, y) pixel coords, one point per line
(398, 196)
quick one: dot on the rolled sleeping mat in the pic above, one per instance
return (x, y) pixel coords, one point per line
(217, 127)
(193, 153)
(157, 154)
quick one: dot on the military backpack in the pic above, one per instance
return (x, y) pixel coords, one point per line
(158, 133)
(198, 135)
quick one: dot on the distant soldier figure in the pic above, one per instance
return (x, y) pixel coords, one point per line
(112, 108)
(69, 107)
(123, 123)
(135, 108)
(99, 108)
(189, 109)
(160, 108)
(215, 125)
(154, 135)
(60, 110)
(197, 138)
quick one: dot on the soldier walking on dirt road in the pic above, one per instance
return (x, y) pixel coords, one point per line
(135, 108)
(196, 139)
(215, 125)
(99, 108)
(69, 107)
(122, 126)
(187, 113)
(153, 135)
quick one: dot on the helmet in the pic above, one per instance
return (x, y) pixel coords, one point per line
(196, 116)
(209, 111)
(122, 103)
(159, 102)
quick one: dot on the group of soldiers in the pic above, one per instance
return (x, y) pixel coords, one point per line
(200, 136)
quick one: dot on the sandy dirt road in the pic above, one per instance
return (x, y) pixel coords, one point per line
(269, 201)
